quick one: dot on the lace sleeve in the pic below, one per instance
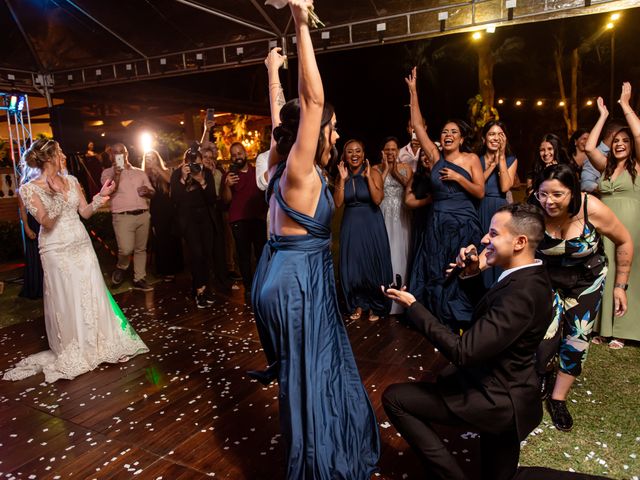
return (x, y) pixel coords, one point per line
(85, 209)
(26, 193)
(43, 206)
(97, 202)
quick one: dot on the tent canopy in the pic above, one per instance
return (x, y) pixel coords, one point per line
(64, 45)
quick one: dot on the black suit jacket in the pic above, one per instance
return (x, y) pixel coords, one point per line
(491, 379)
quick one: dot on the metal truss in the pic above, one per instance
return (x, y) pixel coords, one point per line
(19, 126)
(458, 17)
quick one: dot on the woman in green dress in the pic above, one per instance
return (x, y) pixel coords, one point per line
(620, 190)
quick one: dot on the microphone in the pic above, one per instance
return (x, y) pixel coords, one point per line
(457, 270)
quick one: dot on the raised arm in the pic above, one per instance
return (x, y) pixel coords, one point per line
(506, 173)
(208, 125)
(86, 210)
(300, 164)
(596, 157)
(417, 124)
(629, 115)
(277, 100)
(341, 178)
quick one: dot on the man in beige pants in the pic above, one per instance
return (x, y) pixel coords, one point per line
(130, 216)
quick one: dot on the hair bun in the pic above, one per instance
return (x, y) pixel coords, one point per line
(285, 137)
(30, 158)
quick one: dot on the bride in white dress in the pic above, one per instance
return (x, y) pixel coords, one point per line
(85, 327)
(397, 218)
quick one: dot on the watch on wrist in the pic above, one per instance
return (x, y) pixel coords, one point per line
(623, 286)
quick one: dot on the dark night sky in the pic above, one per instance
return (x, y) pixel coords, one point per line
(367, 85)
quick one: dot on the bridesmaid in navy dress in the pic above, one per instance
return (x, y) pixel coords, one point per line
(457, 186)
(499, 174)
(365, 256)
(33, 274)
(327, 421)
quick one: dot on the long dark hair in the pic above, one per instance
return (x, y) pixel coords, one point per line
(158, 182)
(286, 133)
(573, 149)
(566, 176)
(488, 126)
(559, 154)
(629, 163)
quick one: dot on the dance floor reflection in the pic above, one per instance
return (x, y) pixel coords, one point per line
(186, 409)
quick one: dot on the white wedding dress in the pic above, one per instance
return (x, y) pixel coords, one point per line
(85, 327)
(397, 219)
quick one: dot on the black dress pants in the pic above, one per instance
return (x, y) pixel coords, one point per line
(414, 407)
(250, 236)
(197, 232)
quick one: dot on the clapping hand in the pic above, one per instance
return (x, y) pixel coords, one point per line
(604, 112)
(367, 169)
(384, 163)
(342, 170)
(502, 143)
(625, 94)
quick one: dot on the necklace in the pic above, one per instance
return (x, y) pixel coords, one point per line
(556, 230)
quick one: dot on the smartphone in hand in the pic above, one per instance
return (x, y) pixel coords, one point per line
(211, 112)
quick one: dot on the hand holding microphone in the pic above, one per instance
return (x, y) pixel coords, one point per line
(467, 262)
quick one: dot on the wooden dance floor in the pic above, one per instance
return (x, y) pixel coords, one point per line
(186, 409)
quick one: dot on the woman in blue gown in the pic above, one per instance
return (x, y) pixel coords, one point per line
(457, 185)
(326, 418)
(365, 256)
(499, 168)
(33, 274)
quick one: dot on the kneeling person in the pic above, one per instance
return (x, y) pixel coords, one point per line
(491, 384)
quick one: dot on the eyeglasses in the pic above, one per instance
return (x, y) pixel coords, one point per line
(554, 196)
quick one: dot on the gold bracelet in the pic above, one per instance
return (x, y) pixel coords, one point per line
(275, 84)
(629, 113)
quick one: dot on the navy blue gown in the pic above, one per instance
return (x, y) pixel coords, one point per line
(452, 224)
(492, 201)
(326, 418)
(33, 274)
(365, 256)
